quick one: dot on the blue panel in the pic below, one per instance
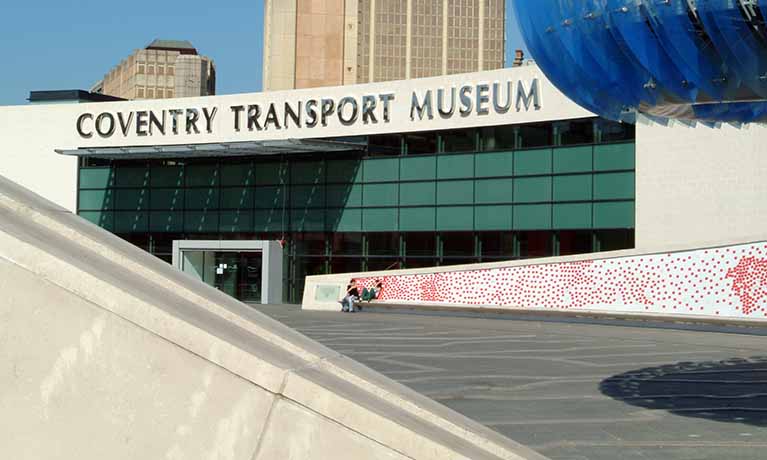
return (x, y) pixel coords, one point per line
(572, 33)
(629, 24)
(614, 57)
(672, 23)
(735, 39)
(623, 75)
(549, 54)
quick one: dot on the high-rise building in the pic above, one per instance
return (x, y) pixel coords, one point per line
(164, 69)
(311, 43)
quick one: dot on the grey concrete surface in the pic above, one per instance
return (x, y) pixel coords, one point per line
(108, 352)
(571, 391)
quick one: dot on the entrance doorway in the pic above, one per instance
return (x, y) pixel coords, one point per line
(235, 273)
(250, 271)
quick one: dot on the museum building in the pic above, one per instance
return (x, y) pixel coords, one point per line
(439, 171)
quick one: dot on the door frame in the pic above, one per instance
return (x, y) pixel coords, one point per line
(271, 260)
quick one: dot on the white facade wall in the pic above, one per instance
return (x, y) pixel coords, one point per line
(28, 136)
(700, 186)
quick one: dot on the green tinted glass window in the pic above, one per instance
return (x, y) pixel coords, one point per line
(572, 188)
(417, 193)
(381, 170)
(237, 198)
(528, 162)
(201, 198)
(344, 220)
(167, 199)
(614, 215)
(131, 199)
(273, 220)
(572, 216)
(455, 218)
(237, 221)
(573, 159)
(417, 219)
(494, 191)
(270, 173)
(307, 172)
(614, 156)
(343, 171)
(611, 186)
(96, 199)
(271, 197)
(167, 176)
(492, 217)
(201, 222)
(307, 220)
(132, 177)
(130, 221)
(96, 177)
(455, 192)
(202, 175)
(347, 195)
(380, 220)
(166, 221)
(418, 168)
(307, 196)
(532, 189)
(532, 217)
(494, 164)
(380, 195)
(455, 166)
(237, 174)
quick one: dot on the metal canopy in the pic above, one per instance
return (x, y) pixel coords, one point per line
(229, 149)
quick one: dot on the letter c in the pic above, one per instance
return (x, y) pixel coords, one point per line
(80, 121)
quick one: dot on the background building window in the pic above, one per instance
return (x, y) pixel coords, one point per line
(613, 131)
(575, 132)
(497, 138)
(535, 135)
(421, 143)
(459, 140)
(385, 145)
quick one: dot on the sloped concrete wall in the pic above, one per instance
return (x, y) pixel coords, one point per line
(107, 352)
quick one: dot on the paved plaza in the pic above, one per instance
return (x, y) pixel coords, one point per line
(572, 391)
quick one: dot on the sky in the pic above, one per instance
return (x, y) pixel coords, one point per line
(71, 44)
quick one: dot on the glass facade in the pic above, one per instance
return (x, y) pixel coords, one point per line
(415, 200)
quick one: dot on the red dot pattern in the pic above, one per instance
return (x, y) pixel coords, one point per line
(729, 281)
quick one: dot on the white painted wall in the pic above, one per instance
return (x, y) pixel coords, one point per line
(699, 186)
(28, 135)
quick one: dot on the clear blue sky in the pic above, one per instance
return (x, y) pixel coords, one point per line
(70, 44)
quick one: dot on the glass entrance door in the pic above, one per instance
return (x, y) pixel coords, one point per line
(248, 278)
(235, 273)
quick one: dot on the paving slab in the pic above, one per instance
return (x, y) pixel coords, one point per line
(570, 390)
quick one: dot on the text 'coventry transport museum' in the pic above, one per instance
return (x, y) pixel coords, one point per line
(468, 168)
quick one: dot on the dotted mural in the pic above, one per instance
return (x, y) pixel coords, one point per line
(725, 282)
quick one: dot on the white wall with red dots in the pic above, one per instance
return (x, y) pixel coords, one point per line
(726, 282)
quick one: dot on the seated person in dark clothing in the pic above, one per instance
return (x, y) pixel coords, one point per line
(352, 295)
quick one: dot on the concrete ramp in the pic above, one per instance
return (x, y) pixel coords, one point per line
(108, 352)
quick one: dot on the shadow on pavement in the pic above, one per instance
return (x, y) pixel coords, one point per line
(734, 390)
